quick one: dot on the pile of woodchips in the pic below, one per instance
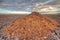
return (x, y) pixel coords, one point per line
(34, 26)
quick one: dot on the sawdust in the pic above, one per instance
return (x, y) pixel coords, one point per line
(34, 26)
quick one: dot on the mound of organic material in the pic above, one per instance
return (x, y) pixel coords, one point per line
(32, 27)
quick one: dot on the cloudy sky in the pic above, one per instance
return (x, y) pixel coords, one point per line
(7, 6)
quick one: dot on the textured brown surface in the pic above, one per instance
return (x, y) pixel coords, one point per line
(32, 27)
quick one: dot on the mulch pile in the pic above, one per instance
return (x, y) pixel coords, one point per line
(34, 26)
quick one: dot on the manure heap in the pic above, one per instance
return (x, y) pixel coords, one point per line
(34, 26)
